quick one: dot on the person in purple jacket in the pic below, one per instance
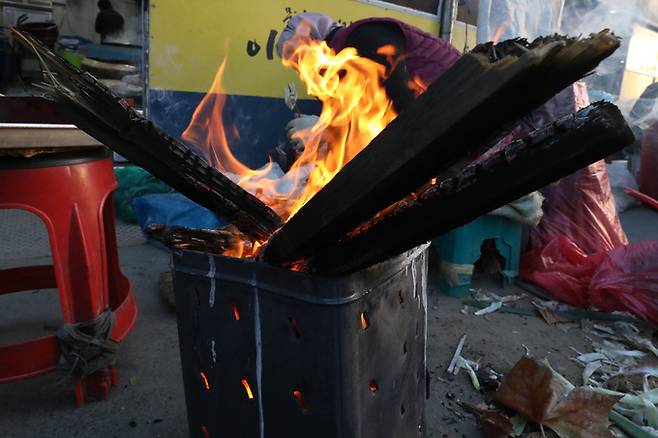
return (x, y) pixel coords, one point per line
(418, 56)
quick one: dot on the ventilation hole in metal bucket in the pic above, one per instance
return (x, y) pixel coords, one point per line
(404, 348)
(236, 313)
(416, 328)
(294, 327)
(402, 409)
(300, 399)
(401, 299)
(247, 388)
(204, 431)
(373, 386)
(204, 380)
(364, 320)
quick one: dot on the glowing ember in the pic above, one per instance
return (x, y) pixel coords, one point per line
(418, 85)
(236, 314)
(364, 321)
(300, 398)
(204, 379)
(355, 109)
(247, 388)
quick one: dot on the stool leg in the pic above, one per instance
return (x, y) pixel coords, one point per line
(79, 266)
(115, 278)
(77, 209)
(79, 262)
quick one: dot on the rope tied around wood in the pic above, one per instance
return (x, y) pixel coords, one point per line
(86, 347)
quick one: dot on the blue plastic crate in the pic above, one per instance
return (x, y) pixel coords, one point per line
(460, 249)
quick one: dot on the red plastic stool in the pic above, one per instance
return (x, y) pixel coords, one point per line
(71, 193)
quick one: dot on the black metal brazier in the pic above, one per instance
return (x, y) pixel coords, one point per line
(273, 353)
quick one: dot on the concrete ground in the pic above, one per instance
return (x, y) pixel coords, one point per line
(149, 400)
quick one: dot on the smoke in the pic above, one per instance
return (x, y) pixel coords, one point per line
(170, 111)
(644, 111)
(503, 19)
(591, 16)
(620, 17)
(131, 33)
(500, 20)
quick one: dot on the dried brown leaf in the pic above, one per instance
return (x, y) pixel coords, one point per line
(551, 317)
(494, 424)
(582, 414)
(535, 391)
(531, 390)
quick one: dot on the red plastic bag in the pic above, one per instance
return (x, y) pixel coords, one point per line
(625, 278)
(581, 207)
(561, 268)
(579, 252)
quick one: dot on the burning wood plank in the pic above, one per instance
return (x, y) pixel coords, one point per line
(487, 89)
(103, 115)
(523, 166)
(210, 241)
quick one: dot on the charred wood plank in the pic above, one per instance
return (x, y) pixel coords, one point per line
(105, 116)
(210, 241)
(523, 166)
(464, 109)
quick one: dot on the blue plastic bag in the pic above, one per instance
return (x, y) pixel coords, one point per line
(174, 209)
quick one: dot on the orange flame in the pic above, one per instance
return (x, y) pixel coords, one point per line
(207, 132)
(236, 313)
(300, 399)
(364, 321)
(387, 50)
(247, 388)
(417, 85)
(355, 109)
(204, 379)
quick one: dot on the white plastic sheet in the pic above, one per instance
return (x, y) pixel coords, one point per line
(499, 20)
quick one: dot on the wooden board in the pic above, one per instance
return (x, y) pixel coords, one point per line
(523, 166)
(192, 239)
(468, 106)
(33, 136)
(106, 117)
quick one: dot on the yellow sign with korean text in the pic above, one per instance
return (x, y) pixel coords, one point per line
(189, 39)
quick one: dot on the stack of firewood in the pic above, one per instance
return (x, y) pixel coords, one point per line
(417, 179)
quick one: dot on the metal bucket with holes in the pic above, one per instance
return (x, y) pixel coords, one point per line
(268, 352)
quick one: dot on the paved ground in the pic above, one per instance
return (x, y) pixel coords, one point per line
(149, 401)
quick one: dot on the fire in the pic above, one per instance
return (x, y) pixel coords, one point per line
(242, 247)
(355, 109)
(417, 85)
